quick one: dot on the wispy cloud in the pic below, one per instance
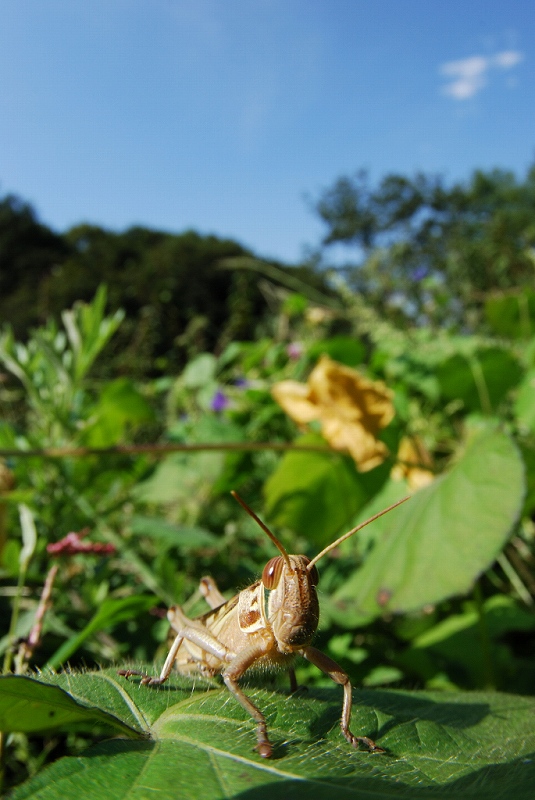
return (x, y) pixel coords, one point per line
(469, 75)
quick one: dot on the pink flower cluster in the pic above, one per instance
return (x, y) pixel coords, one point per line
(71, 544)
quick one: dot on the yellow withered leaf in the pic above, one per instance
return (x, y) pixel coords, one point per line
(413, 460)
(351, 409)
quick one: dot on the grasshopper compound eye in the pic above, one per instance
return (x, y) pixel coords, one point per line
(272, 572)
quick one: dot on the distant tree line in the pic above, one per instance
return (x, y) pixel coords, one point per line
(178, 290)
(419, 251)
(426, 252)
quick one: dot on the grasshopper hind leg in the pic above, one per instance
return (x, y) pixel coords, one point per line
(210, 591)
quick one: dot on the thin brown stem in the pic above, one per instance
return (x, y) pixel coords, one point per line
(27, 648)
(156, 449)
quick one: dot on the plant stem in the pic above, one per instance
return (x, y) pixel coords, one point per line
(489, 677)
(158, 449)
(2, 760)
(8, 658)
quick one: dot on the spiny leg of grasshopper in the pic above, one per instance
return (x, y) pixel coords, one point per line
(185, 629)
(335, 672)
(231, 675)
(239, 664)
(209, 590)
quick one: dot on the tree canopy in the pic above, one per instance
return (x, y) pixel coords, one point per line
(429, 251)
(182, 293)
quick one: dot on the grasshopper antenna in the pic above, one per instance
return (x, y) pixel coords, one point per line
(354, 530)
(264, 527)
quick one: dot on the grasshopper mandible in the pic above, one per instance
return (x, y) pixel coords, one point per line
(267, 624)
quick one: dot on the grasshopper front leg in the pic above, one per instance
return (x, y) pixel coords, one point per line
(335, 672)
(232, 674)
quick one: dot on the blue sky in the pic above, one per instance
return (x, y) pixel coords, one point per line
(226, 115)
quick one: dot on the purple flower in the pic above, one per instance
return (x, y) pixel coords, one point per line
(219, 401)
(241, 383)
(294, 350)
(420, 273)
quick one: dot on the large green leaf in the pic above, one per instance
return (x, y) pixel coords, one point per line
(439, 542)
(32, 706)
(438, 745)
(512, 314)
(480, 379)
(313, 493)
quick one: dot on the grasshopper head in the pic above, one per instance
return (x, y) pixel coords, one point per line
(289, 585)
(292, 606)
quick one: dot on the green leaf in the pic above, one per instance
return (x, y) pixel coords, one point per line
(200, 371)
(480, 380)
(119, 406)
(525, 402)
(314, 493)
(512, 314)
(390, 493)
(88, 330)
(457, 640)
(181, 476)
(111, 613)
(31, 706)
(344, 349)
(181, 536)
(439, 542)
(467, 746)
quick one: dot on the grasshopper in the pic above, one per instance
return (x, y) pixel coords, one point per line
(267, 624)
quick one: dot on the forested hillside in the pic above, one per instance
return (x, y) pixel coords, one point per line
(181, 293)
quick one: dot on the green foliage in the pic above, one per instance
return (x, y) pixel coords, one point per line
(436, 595)
(111, 612)
(29, 252)
(315, 493)
(32, 706)
(182, 294)
(432, 253)
(512, 314)
(53, 364)
(463, 519)
(480, 379)
(200, 745)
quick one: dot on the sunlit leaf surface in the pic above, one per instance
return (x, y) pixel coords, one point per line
(438, 745)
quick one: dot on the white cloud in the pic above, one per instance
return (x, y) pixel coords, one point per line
(507, 59)
(469, 75)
